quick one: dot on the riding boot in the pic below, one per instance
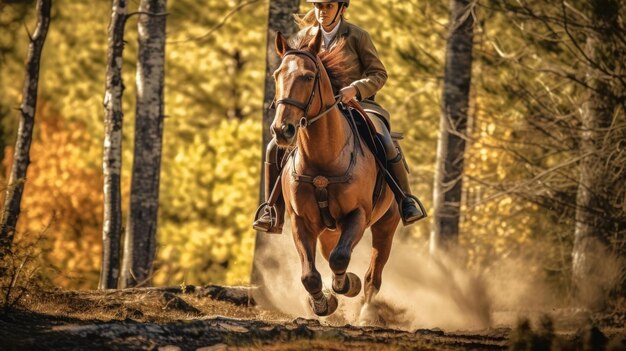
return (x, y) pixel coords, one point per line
(271, 217)
(410, 210)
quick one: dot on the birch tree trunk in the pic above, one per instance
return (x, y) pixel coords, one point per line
(453, 125)
(21, 158)
(280, 19)
(141, 229)
(112, 158)
(592, 225)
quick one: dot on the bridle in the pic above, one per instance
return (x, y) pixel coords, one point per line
(304, 121)
(320, 182)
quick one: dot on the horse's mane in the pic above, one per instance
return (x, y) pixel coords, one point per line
(333, 60)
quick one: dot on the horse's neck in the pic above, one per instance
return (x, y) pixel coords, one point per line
(323, 145)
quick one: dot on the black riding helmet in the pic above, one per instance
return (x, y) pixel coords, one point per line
(342, 3)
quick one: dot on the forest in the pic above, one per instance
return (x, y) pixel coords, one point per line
(513, 114)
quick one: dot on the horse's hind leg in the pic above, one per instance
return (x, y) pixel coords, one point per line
(321, 303)
(382, 238)
(352, 228)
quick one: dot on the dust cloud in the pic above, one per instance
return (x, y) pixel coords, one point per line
(417, 291)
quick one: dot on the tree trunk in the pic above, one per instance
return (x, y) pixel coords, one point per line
(280, 19)
(21, 158)
(140, 238)
(592, 225)
(453, 125)
(112, 158)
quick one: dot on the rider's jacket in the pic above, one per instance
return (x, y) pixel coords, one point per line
(366, 72)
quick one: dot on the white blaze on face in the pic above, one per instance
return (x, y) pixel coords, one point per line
(292, 67)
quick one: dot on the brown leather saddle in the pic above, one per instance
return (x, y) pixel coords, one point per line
(366, 130)
(364, 127)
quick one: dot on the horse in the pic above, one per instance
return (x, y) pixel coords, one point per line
(309, 121)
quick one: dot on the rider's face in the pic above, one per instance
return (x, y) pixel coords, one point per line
(325, 13)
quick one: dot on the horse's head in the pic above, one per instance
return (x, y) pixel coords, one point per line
(297, 87)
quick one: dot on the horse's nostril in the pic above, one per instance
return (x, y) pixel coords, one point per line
(289, 130)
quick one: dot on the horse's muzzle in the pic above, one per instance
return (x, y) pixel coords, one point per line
(285, 134)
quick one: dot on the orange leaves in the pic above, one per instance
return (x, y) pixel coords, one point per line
(61, 184)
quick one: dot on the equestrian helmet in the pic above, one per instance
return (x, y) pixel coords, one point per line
(346, 2)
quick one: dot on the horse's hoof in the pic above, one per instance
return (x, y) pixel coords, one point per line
(352, 285)
(355, 285)
(325, 306)
(368, 316)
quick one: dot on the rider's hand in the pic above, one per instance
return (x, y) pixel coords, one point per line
(348, 93)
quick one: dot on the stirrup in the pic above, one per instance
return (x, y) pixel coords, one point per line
(273, 228)
(419, 206)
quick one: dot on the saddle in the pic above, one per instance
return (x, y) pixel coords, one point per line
(366, 130)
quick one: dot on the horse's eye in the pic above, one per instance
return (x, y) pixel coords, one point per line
(309, 77)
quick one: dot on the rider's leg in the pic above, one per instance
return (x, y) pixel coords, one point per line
(271, 171)
(409, 210)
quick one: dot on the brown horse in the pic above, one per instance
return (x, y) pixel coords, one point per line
(308, 118)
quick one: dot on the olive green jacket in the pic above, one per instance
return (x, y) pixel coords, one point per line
(366, 71)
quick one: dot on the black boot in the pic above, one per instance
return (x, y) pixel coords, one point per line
(269, 219)
(410, 209)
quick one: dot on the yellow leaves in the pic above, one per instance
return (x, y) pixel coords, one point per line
(208, 202)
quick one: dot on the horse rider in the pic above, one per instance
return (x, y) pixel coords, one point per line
(368, 75)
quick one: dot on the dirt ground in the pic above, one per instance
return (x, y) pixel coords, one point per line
(219, 318)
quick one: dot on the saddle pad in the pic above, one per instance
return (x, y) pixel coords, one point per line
(371, 106)
(367, 131)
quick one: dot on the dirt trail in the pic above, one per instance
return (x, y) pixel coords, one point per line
(207, 318)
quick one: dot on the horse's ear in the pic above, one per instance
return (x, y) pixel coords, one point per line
(281, 45)
(316, 43)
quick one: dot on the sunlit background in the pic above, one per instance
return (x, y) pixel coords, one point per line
(212, 143)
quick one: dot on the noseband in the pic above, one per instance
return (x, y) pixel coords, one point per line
(304, 121)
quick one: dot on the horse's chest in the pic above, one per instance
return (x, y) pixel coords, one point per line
(304, 199)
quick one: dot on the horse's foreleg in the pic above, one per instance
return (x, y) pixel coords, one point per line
(321, 303)
(352, 228)
(382, 238)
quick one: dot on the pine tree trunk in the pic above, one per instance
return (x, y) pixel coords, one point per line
(112, 158)
(592, 225)
(21, 158)
(453, 125)
(280, 19)
(141, 229)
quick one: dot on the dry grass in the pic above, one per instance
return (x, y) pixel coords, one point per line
(150, 306)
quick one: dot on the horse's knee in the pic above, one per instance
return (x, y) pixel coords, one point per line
(312, 282)
(339, 260)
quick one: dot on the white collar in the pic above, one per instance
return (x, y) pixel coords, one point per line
(328, 36)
